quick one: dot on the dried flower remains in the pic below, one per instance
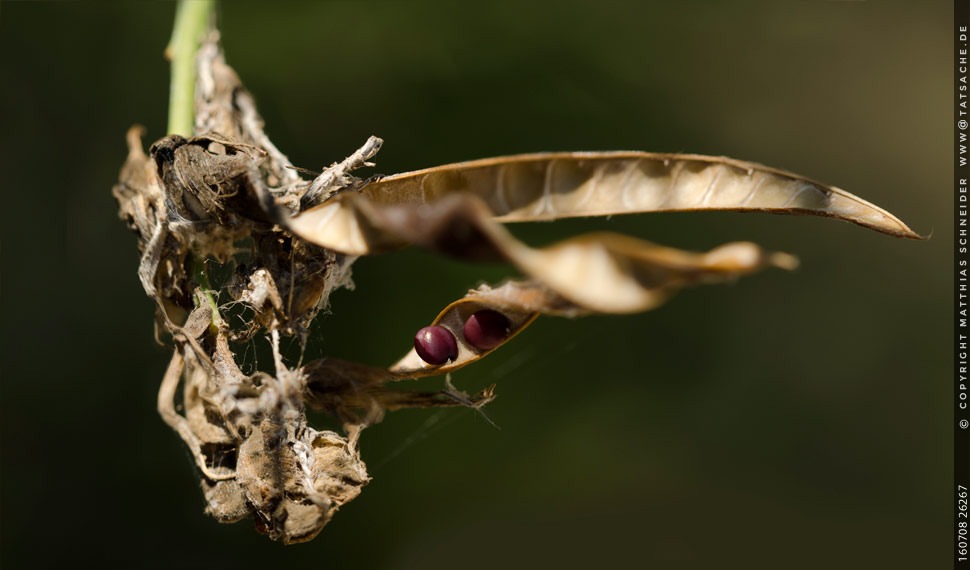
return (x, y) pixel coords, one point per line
(228, 196)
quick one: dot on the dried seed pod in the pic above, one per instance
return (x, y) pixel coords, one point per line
(436, 345)
(453, 318)
(551, 186)
(486, 329)
(601, 272)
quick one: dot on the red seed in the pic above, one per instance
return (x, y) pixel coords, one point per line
(436, 345)
(486, 329)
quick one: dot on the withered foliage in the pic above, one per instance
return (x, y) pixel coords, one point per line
(228, 196)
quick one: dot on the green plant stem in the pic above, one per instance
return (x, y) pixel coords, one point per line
(192, 20)
(202, 276)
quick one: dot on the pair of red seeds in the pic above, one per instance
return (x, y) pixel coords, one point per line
(484, 330)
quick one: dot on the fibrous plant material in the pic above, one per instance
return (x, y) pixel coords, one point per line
(228, 195)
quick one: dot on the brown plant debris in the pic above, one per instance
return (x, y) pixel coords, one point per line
(228, 196)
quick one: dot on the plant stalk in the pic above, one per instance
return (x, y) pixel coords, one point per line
(192, 19)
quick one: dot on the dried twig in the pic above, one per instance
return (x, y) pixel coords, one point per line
(336, 177)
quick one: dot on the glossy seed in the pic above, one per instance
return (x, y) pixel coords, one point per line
(436, 345)
(486, 329)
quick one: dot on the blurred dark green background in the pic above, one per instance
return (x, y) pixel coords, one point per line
(794, 420)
